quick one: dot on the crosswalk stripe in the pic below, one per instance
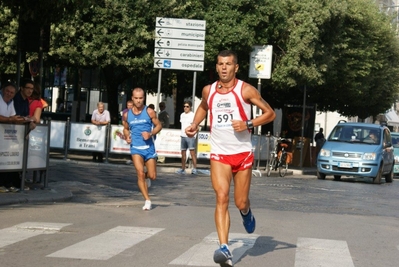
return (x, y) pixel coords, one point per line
(27, 230)
(202, 253)
(108, 244)
(322, 252)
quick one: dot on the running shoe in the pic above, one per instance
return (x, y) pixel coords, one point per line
(194, 171)
(181, 171)
(249, 222)
(148, 181)
(223, 256)
(147, 205)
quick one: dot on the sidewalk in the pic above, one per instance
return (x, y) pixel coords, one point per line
(61, 186)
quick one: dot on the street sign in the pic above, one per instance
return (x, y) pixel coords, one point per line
(181, 23)
(162, 63)
(180, 34)
(179, 54)
(261, 62)
(179, 44)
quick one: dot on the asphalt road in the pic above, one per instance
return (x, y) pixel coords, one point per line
(301, 222)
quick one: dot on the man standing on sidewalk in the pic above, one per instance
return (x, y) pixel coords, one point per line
(100, 117)
(229, 102)
(186, 118)
(140, 125)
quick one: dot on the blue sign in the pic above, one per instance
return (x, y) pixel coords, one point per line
(167, 64)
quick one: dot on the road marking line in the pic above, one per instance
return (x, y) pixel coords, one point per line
(322, 252)
(108, 244)
(27, 230)
(202, 254)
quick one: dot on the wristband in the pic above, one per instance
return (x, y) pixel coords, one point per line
(250, 124)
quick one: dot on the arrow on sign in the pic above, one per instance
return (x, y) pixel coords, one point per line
(159, 63)
(160, 32)
(160, 43)
(160, 21)
(159, 52)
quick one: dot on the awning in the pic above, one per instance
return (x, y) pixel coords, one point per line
(392, 118)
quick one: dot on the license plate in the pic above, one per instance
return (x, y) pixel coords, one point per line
(344, 165)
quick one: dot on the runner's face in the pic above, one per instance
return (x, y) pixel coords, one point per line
(129, 105)
(138, 99)
(226, 68)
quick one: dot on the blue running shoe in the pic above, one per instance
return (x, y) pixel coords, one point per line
(223, 256)
(249, 222)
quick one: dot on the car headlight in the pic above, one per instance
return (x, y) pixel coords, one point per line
(325, 152)
(369, 156)
(396, 159)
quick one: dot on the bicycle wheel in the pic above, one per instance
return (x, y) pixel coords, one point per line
(270, 164)
(283, 166)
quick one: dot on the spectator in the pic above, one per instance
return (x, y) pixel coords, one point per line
(186, 118)
(100, 117)
(7, 114)
(21, 101)
(35, 104)
(7, 109)
(163, 117)
(60, 105)
(319, 139)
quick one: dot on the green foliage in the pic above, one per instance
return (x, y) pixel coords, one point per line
(343, 51)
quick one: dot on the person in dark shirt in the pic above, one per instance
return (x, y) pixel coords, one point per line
(21, 102)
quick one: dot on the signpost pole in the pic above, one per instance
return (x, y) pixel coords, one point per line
(159, 89)
(194, 85)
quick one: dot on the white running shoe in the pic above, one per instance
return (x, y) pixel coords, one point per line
(147, 205)
(148, 181)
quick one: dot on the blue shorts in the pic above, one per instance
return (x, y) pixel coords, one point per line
(146, 154)
(187, 143)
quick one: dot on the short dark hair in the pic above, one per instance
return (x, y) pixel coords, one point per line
(227, 53)
(6, 84)
(188, 102)
(25, 81)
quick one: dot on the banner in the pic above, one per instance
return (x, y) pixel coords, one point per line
(118, 143)
(88, 137)
(204, 145)
(37, 149)
(168, 143)
(57, 134)
(11, 146)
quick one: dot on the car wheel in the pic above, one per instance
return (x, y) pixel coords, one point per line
(337, 177)
(377, 179)
(389, 176)
(321, 176)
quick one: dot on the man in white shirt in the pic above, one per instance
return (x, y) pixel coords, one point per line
(99, 117)
(7, 110)
(186, 118)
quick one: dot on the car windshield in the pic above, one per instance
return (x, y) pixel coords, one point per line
(395, 141)
(355, 134)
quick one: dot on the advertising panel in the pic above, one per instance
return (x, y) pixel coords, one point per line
(11, 146)
(85, 136)
(57, 134)
(37, 149)
(168, 143)
(118, 143)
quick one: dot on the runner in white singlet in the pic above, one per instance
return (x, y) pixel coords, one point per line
(229, 101)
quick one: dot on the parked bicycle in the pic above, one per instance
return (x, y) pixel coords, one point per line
(279, 158)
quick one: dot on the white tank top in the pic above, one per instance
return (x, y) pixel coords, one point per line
(223, 108)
